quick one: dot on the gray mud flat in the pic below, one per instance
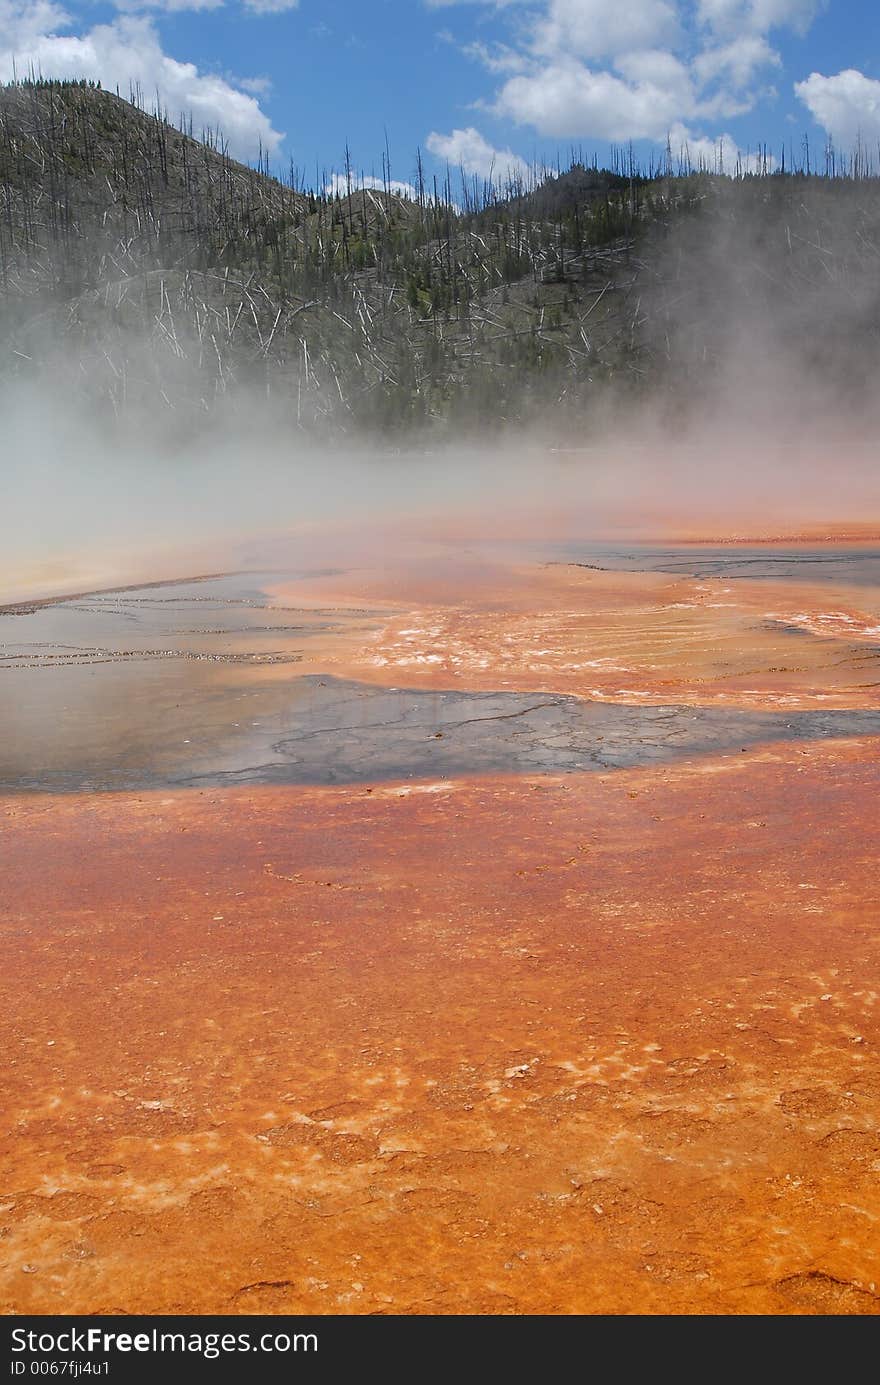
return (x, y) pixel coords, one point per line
(354, 733)
(336, 732)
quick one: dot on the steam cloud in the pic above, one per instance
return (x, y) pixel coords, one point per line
(752, 409)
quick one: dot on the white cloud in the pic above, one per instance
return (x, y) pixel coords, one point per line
(569, 100)
(581, 69)
(737, 62)
(757, 16)
(270, 6)
(126, 53)
(598, 29)
(496, 57)
(339, 184)
(657, 68)
(258, 7)
(847, 105)
(467, 149)
(257, 86)
(496, 4)
(169, 6)
(20, 24)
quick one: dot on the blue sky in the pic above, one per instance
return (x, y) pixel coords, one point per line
(492, 85)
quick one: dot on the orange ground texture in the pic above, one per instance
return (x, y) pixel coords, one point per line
(598, 1043)
(626, 637)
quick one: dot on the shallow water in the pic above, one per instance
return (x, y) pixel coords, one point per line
(851, 566)
(127, 687)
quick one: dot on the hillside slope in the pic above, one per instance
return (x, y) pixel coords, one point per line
(141, 268)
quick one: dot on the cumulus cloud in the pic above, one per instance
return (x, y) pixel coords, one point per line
(469, 150)
(258, 86)
(169, 6)
(270, 6)
(496, 57)
(495, 4)
(737, 62)
(757, 16)
(847, 105)
(340, 184)
(568, 100)
(128, 53)
(597, 29)
(581, 69)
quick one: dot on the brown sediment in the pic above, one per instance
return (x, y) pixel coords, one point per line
(613, 636)
(602, 1044)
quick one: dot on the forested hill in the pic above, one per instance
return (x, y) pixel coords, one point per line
(143, 268)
